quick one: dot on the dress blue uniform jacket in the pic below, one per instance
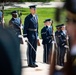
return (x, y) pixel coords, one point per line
(31, 32)
(0, 16)
(61, 41)
(61, 38)
(15, 22)
(31, 27)
(46, 34)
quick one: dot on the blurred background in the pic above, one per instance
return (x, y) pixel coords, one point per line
(45, 9)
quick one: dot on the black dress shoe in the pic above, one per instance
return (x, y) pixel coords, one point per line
(32, 66)
(36, 65)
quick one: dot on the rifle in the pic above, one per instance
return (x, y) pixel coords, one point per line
(22, 39)
(67, 48)
(53, 55)
(19, 15)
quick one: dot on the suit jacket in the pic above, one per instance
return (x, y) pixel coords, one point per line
(15, 23)
(46, 34)
(30, 23)
(60, 38)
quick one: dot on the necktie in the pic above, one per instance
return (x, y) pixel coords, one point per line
(35, 18)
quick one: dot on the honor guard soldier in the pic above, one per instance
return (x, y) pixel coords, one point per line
(1, 19)
(15, 23)
(63, 44)
(61, 41)
(57, 35)
(31, 33)
(46, 34)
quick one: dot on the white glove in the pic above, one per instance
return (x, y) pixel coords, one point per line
(58, 67)
(21, 27)
(20, 36)
(66, 46)
(37, 37)
(26, 39)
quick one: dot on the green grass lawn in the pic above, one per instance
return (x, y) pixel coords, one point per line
(43, 13)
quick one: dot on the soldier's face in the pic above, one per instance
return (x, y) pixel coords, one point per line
(71, 24)
(14, 15)
(33, 10)
(48, 23)
(58, 29)
(63, 28)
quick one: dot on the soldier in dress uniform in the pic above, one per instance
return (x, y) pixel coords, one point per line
(31, 33)
(1, 19)
(46, 34)
(61, 42)
(57, 35)
(62, 45)
(15, 22)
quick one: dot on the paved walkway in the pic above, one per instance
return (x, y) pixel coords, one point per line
(39, 4)
(42, 69)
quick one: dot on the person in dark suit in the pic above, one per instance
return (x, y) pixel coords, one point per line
(31, 33)
(57, 35)
(61, 42)
(10, 56)
(15, 22)
(46, 34)
(62, 45)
